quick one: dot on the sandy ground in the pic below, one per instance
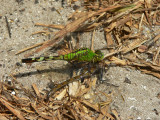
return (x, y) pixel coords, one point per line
(136, 94)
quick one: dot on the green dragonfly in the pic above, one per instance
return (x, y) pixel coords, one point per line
(80, 55)
(83, 55)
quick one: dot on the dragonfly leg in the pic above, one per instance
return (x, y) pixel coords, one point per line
(100, 75)
(85, 67)
(51, 84)
(89, 67)
(102, 69)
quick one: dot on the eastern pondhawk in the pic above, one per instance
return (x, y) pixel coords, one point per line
(84, 55)
(80, 55)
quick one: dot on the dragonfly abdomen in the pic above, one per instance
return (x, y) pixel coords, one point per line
(39, 59)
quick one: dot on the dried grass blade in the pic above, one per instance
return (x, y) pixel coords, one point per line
(59, 115)
(156, 74)
(157, 53)
(95, 107)
(13, 110)
(41, 32)
(101, 117)
(42, 115)
(112, 53)
(74, 114)
(36, 90)
(136, 5)
(31, 47)
(85, 116)
(51, 26)
(156, 38)
(145, 64)
(116, 114)
(118, 61)
(133, 45)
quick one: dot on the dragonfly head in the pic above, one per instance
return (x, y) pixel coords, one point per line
(99, 55)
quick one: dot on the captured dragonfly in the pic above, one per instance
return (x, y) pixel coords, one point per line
(83, 55)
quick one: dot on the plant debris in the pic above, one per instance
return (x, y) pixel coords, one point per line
(124, 25)
(62, 106)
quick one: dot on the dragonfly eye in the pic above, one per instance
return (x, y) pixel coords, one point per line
(98, 52)
(100, 55)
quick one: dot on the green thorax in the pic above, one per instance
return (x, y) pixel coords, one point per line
(80, 55)
(83, 55)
